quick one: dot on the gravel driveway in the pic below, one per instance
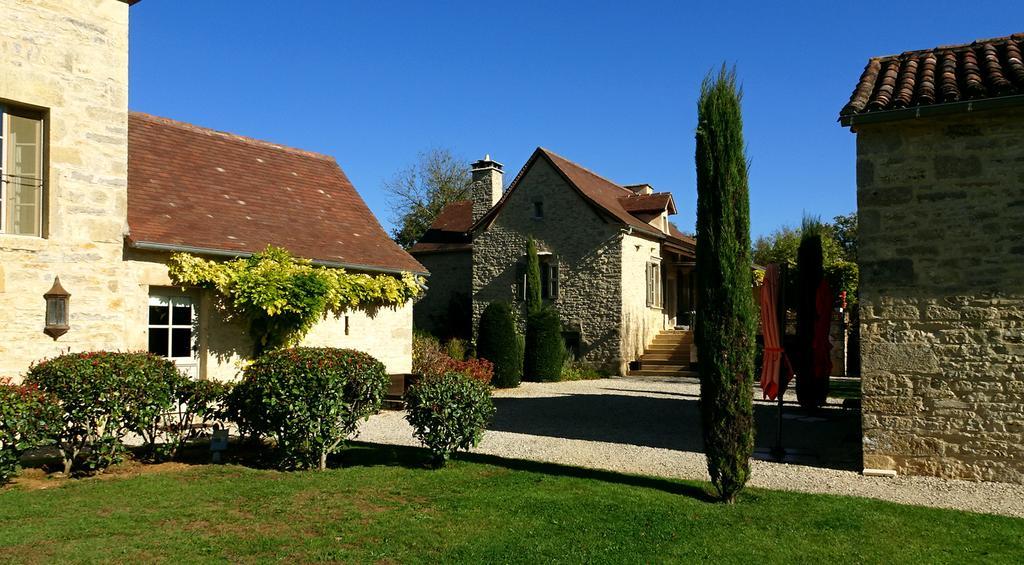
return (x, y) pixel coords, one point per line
(651, 427)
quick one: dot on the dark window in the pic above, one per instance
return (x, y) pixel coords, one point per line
(158, 338)
(538, 209)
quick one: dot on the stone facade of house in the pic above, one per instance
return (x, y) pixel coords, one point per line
(67, 60)
(601, 268)
(941, 247)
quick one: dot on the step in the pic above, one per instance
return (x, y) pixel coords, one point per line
(662, 373)
(668, 347)
(682, 358)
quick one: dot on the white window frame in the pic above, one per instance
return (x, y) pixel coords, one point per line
(188, 365)
(4, 166)
(655, 292)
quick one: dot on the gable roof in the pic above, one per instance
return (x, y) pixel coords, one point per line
(602, 194)
(449, 230)
(657, 202)
(199, 190)
(945, 78)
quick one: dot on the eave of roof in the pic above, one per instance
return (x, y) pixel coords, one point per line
(231, 254)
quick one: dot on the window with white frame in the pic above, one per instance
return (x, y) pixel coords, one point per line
(172, 331)
(654, 290)
(548, 277)
(21, 171)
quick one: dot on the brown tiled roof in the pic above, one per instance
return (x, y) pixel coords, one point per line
(603, 194)
(449, 230)
(985, 69)
(657, 202)
(195, 188)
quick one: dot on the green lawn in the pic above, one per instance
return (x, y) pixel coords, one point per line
(381, 505)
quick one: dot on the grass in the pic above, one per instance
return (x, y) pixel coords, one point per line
(383, 505)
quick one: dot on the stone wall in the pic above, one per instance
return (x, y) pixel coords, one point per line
(589, 252)
(941, 209)
(640, 322)
(451, 278)
(69, 59)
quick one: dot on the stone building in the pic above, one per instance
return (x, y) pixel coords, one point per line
(99, 197)
(940, 191)
(618, 272)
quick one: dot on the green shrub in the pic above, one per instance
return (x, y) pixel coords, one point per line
(104, 395)
(195, 405)
(28, 417)
(574, 370)
(498, 342)
(545, 349)
(309, 400)
(457, 349)
(448, 412)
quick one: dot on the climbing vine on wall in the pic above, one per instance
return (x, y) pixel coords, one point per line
(283, 296)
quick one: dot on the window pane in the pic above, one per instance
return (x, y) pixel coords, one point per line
(24, 175)
(158, 315)
(182, 315)
(181, 342)
(158, 341)
(55, 314)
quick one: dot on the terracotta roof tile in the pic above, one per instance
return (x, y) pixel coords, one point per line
(989, 68)
(198, 188)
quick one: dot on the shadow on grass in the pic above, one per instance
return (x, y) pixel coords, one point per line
(361, 454)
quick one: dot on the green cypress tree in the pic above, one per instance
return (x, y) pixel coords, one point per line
(545, 347)
(811, 388)
(498, 342)
(724, 331)
(533, 295)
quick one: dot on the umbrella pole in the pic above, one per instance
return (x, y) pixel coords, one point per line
(779, 452)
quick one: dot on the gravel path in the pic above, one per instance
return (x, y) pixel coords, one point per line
(651, 427)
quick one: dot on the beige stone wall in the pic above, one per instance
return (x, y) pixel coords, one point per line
(941, 209)
(69, 59)
(451, 277)
(589, 251)
(640, 322)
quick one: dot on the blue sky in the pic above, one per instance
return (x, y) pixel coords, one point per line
(610, 85)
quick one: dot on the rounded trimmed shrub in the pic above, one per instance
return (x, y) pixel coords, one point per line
(448, 412)
(545, 348)
(103, 395)
(308, 399)
(28, 417)
(498, 342)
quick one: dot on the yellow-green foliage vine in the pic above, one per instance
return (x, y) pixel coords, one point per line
(283, 296)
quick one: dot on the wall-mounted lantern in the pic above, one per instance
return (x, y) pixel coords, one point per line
(57, 310)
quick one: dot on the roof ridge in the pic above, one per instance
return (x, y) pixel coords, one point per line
(228, 135)
(588, 171)
(951, 47)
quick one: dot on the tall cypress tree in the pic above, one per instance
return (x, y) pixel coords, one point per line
(811, 387)
(533, 295)
(724, 332)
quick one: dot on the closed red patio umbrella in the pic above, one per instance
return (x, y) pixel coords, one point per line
(772, 382)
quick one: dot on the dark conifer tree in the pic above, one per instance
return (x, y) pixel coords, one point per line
(724, 331)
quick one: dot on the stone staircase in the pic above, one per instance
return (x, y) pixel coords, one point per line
(667, 356)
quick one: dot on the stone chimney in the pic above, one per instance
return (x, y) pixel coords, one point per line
(486, 185)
